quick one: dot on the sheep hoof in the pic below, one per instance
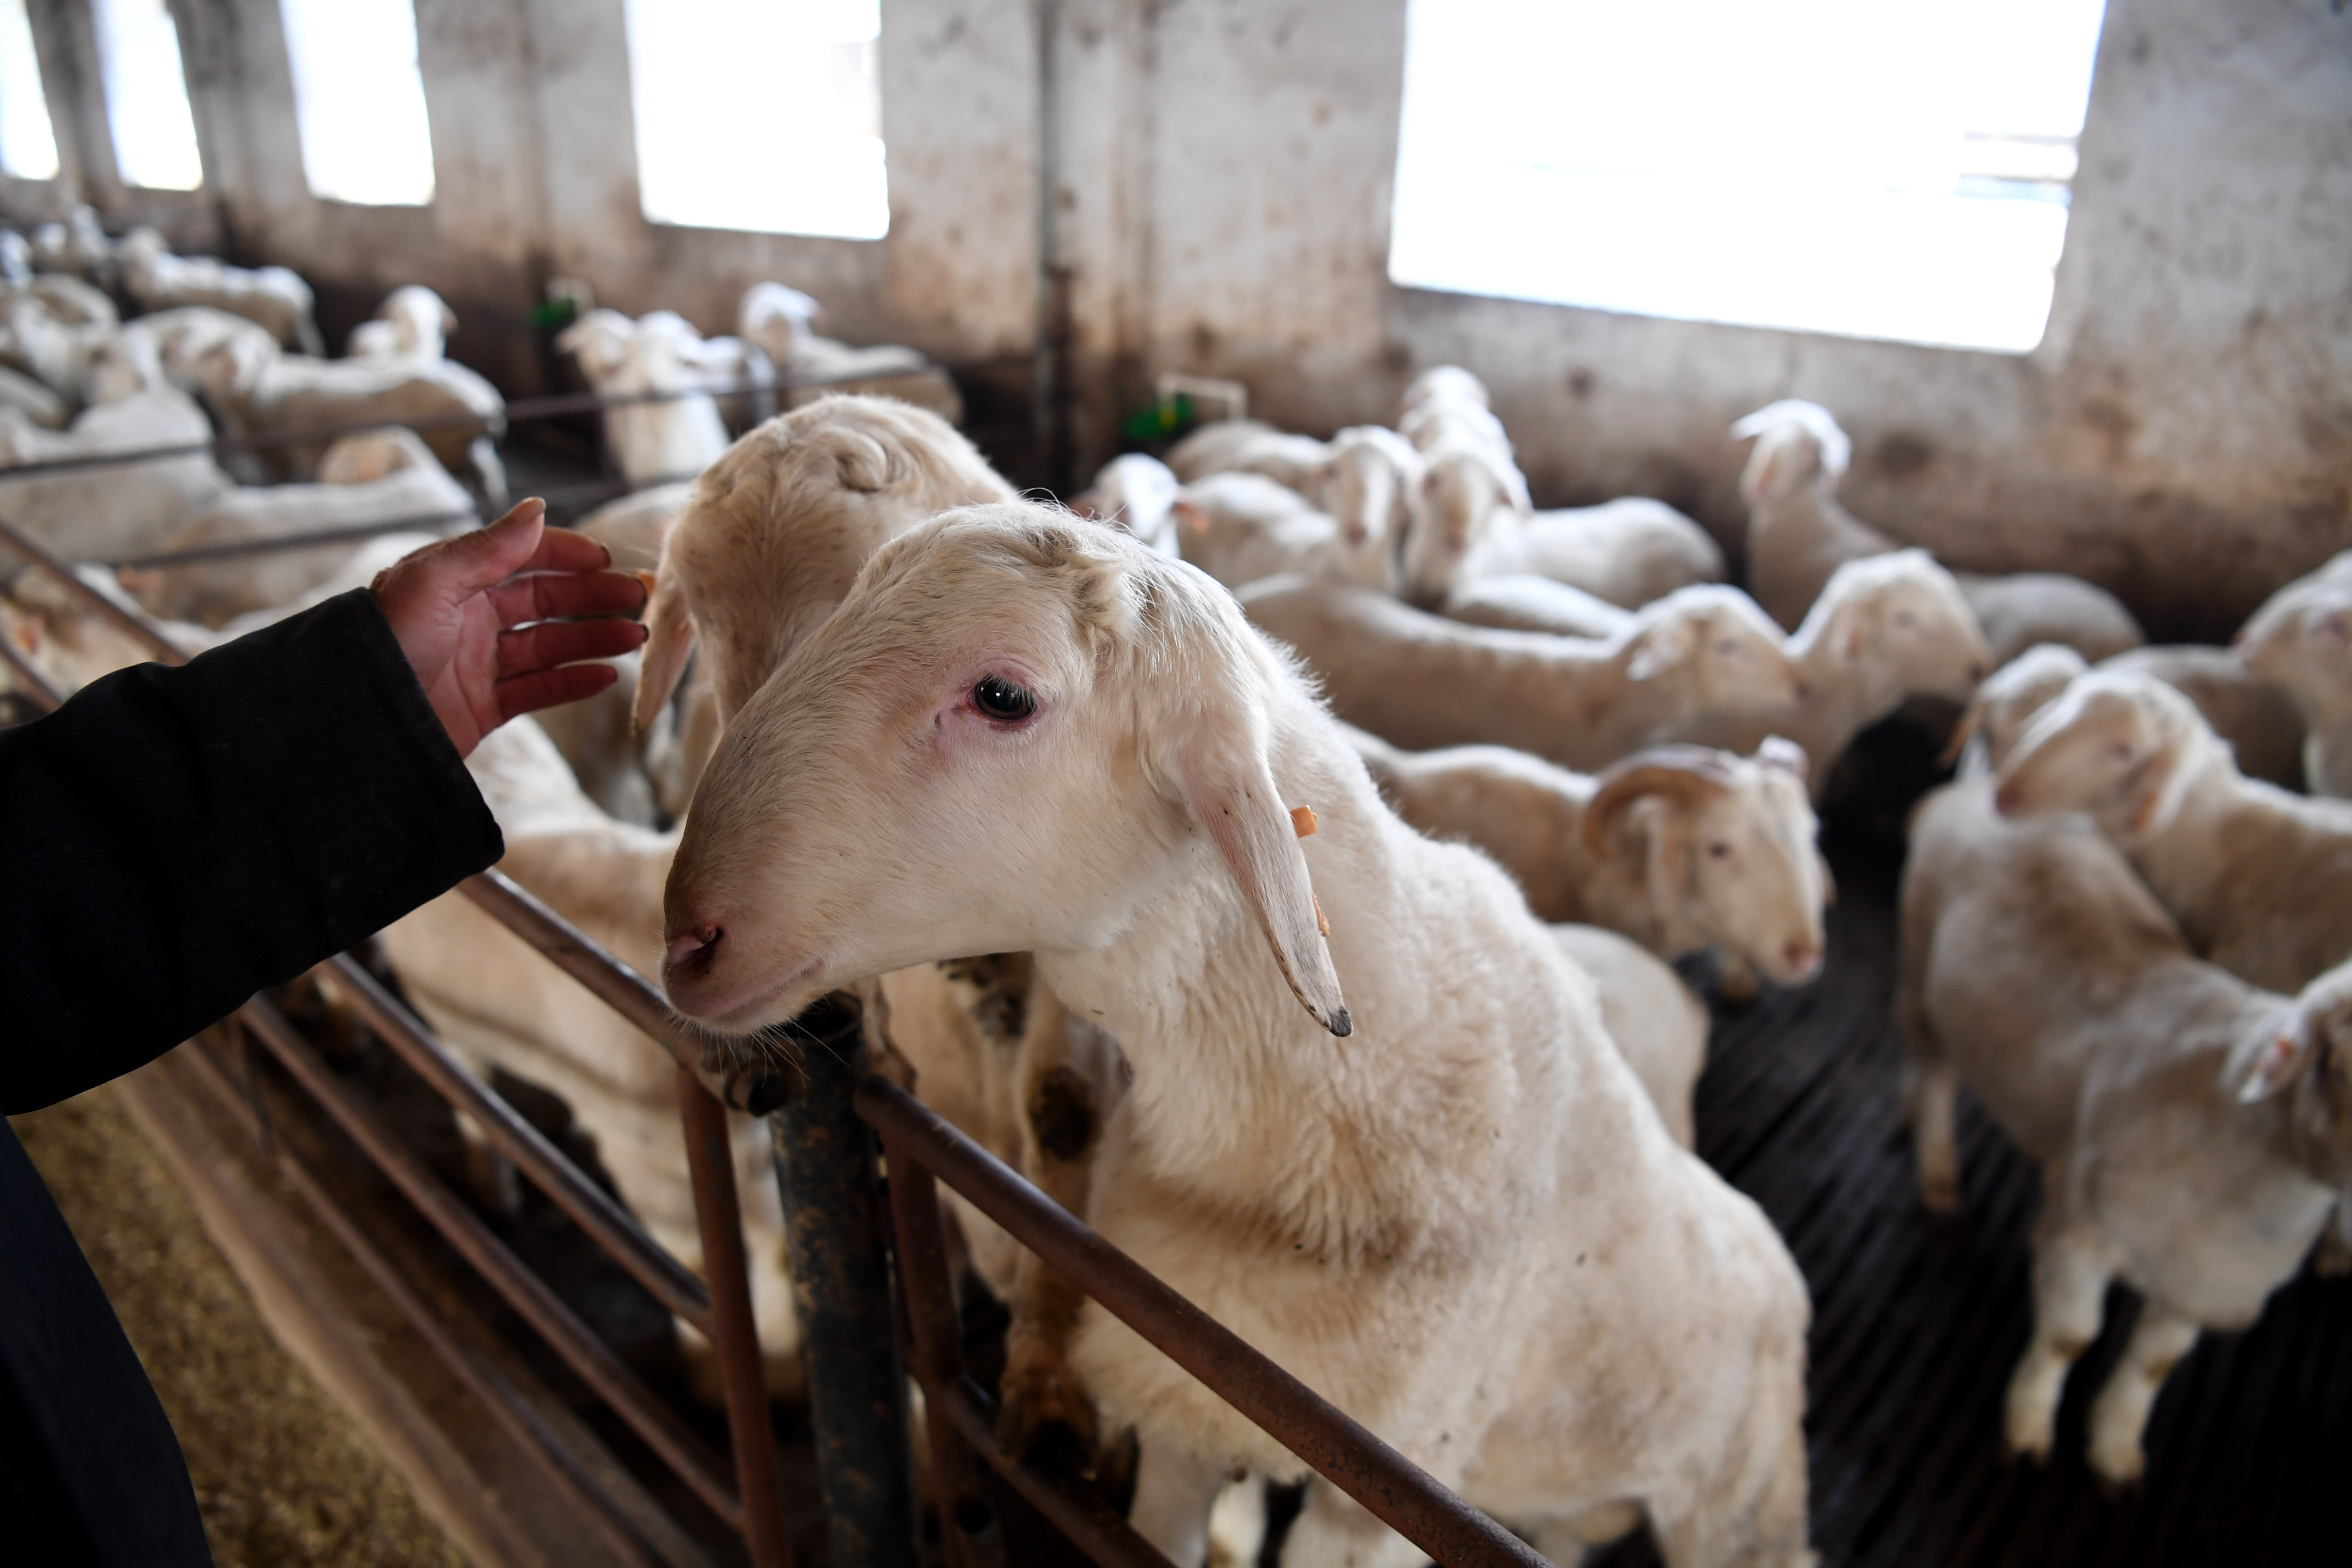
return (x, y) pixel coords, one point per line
(2118, 1465)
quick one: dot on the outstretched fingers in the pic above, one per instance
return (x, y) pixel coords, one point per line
(547, 643)
(555, 596)
(528, 694)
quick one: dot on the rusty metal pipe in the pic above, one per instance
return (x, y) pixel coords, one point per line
(609, 1225)
(37, 685)
(138, 627)
(1336, 1447)
(1090, 1524)
(589, 1356)
(734, 1333)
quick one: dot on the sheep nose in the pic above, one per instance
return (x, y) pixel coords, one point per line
(1804, 692)
(2005, 800)
(1804, 960)
(691, 952)
(1977, 670)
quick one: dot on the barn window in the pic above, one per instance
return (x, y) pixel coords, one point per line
(759, 114)
(359, 100)
(28, 146)
(146, 96)
(1870, 168)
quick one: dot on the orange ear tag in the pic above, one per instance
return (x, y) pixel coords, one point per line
(1302, 820)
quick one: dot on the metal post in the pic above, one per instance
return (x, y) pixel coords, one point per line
(827, 1166)
(734, 1333)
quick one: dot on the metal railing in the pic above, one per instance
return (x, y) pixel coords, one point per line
(868, 1260)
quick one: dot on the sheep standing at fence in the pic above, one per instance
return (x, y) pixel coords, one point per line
(274, 296)
(1442, 1198)
(2260, 879)
(2194, 1132)
(1678, 847)
(1422, 682)
(1798, 534)
(780, 322)
(677, 434)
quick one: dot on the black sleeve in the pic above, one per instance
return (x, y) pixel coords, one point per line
(176, 839)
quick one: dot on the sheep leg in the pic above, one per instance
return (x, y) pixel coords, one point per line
(1237, 1524)
(1061, 1123)
(1935, 1097)
(2070, 1271)
(1334, 1530)
(1173, 1493)
(2160, 1338)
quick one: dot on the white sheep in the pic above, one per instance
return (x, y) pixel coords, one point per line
(1798, 534)
(2260, 879)
(274, 296)
(2301, 639)
(15, 257)
(184, 335)
(1470, 481)
(775, 532)
(1136, 494)
(257, 390)
(78, 246)
(500, 1005)
(1248, 445)
(1422, 682)
(634, 776)
(781, 321)
(377, 478)
(1678, 847)
(1626, 552)
(1398, 1215)
(69, 298)
(674, 439)
(1366, 483)
(108, 513)
(412, 322)
(2191, 1130)
(1515, 600)
(36, 403)
(1887, 628)
(1238, 526)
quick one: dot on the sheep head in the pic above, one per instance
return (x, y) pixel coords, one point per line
(774, 533)
(2007, 700)
(1137, 495)
(1797, 444)
(2119, 745)
(1901, 624)
(600, 341)
(1717, 640)
(2307, 1053)
(1444, 383)
(2301, 639)
(1366, 485)
(1724, 849)
(1012, 736)
(1454, 505)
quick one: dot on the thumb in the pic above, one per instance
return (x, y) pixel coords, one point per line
(486, 557)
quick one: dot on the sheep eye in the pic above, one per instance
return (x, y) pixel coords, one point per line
(1718, 851)
(1727, 648)
(1905, 619)
(999, 698)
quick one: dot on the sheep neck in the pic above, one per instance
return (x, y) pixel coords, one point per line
(1370, 1145)
(2215, 810)
(1843, 696)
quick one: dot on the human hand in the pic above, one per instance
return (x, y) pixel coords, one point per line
(494, 621)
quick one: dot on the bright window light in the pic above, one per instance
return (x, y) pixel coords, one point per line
(147, 96)
(759, 114)
(28, 146)
(1872, 168)
(359, 100)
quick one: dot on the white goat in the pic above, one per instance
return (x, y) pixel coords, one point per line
(2192, 1130)
(672, 440)
(1798, 534)
(412, 322)
(502, 1005)
(256, 389)
(1678, 847)
(2301, 639)
(107, 512)
(380, 477)
(781, 321)
(1136, 494)
(1887, 628)
(1422, 681)
(274, 296)
(2260, 879)
(1401, 1233)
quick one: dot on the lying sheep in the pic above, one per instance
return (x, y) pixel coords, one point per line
(104, 513)
(775, 532)
(1798, 534)
(412, 322)
(2301, 639)
(1887, 628)
(1005, 666)
(2192, 1130)
(72, 301)
(22, 394)
(1422, 682)
(780, 322)
(1678, 847)
(257, 391)
(1627, 552)
(672, 440)
(274, 296)
(1248, 447)
(182, 338)
(381, 476)
(1239, 526)
(1513, 601)
(501, 1007)
(1137, 495)
(2260, 879)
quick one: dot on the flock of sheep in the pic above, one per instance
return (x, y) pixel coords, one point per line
(1278, 855)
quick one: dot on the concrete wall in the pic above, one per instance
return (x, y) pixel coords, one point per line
(1222, 173)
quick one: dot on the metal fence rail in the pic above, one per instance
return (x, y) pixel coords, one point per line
(869, 1264)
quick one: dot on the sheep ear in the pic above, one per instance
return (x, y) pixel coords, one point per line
(863, 462)
(2161, 783)
(670, 638)
(1231, 793)
(1661, 648)
(1194, 520)
(1665, 862)
(2267, 1060)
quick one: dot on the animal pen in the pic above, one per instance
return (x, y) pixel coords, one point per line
(1796, 1109)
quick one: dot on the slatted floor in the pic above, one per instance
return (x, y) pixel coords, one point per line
(1918, 1322)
